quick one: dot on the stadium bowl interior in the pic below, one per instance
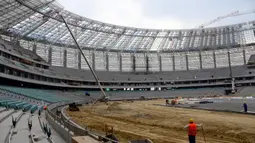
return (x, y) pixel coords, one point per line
(41, 67)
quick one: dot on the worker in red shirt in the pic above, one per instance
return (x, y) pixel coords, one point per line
(192, 130)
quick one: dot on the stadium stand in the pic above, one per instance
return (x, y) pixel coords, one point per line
(40, 65)
(33, 94)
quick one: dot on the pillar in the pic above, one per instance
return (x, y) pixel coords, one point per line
(200, 60)
(228, 36)
(214, 60)
(34, 48)
(79, 60)
(65, 58)
(244, 57)
(107, 61)
(134, 63)
(93, 61)
(50, 56)
(160, 62)
(229, 64)
(187, 62)
(233, 36)
(147, 63)
(120, 60)
(173, 59)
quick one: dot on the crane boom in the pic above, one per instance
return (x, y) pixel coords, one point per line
(232, 14)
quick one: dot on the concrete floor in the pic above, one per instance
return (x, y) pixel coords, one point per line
(22, 135)
(227, 104)
(6, 125)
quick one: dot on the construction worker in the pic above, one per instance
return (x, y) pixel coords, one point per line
(45, 107)
(192, 130)
(245, 107)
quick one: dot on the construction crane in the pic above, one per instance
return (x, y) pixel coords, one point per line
(232, 14)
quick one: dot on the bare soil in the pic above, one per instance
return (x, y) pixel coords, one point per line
(142, 119)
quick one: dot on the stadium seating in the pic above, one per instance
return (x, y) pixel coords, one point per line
(14, 48)
(34, 94)
(193, 92)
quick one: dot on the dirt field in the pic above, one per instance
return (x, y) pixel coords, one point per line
(142, 119)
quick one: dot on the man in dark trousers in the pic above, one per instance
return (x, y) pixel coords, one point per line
(192, 130)
(245, 107)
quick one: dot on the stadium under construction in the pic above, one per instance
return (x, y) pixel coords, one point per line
(65, 78)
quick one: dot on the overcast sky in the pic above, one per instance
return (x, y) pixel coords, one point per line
(161, 14)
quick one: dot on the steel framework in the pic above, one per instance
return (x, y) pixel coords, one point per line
(35, 23)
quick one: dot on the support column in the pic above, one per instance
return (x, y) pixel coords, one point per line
(201, 36)
(147, 63)
(34, 48)
(107, 61)
(231, 74)
(65, 58)
(120, 60)
(244, 57)
(79, 60)
(134, 63)
(229, 64)
(160, 62)
(50, 56)
(228, 37)
(233, 36)
(219, 37)
(189, 39)
(187, 62)
(93, 61)
(200, 60)
(173, 59)
(193, 39)
(224, 40)
(214, 60)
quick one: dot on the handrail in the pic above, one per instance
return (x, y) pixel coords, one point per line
(5, 117)
(10, 133)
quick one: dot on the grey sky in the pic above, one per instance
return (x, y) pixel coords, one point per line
(161, 14)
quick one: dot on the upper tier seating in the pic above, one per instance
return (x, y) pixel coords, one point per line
(194, 92)
(76, 74)
(247, 91)
(16, 49)
(68, 73)
(173, 75)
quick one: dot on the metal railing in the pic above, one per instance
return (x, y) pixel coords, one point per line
(67, 123)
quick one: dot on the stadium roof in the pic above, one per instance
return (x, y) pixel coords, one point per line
(39, 20)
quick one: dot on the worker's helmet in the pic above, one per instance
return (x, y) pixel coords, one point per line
(191, 120)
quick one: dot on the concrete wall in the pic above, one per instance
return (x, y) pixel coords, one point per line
(64, 132)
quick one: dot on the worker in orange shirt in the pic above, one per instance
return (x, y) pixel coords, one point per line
(192, 130)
